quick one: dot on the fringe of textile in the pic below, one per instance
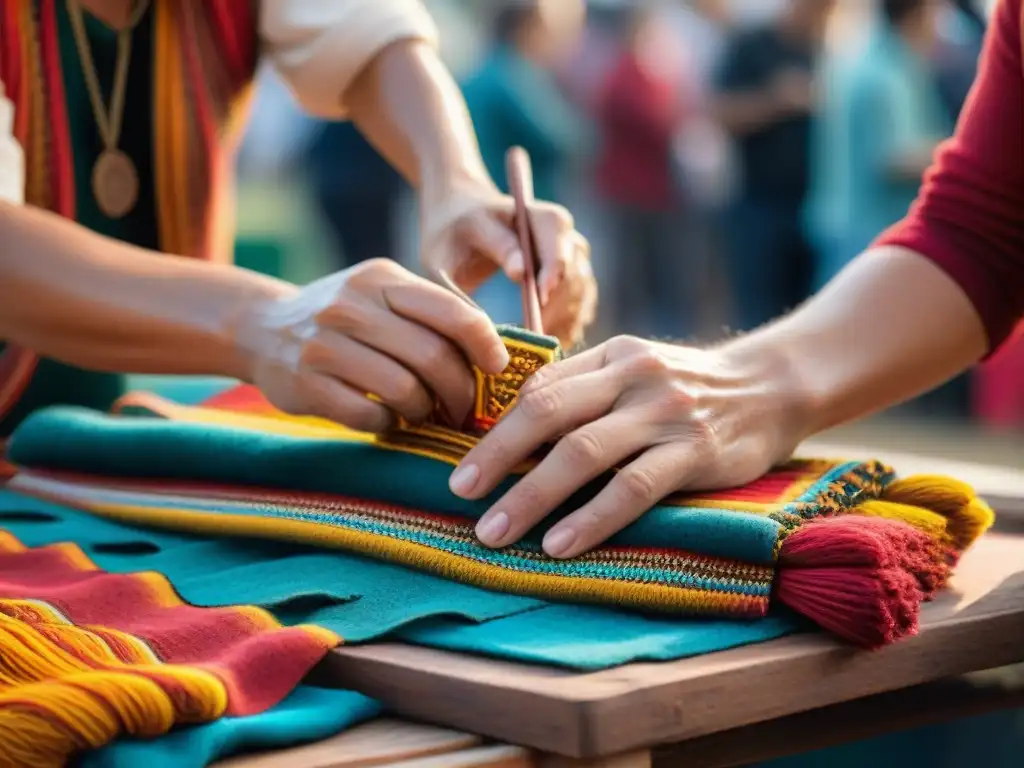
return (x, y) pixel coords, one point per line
(860, 571)
(87, 656)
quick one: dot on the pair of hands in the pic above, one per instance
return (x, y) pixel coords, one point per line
(379, 329)
(670, 417)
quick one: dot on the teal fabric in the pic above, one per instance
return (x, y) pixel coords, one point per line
(79, 440)
(594, 638)
(309, 714)
(357, 598)
(363, 600)
(879, 104)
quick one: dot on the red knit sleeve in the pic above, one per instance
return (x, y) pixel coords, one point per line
(969, 216)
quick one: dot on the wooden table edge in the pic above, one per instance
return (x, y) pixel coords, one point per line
(583, 715)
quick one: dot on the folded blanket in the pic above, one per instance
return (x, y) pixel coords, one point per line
(844, 543)
(86, 656)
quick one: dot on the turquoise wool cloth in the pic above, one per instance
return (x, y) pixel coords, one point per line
(362, 600)
(82, 441)
(309, 714)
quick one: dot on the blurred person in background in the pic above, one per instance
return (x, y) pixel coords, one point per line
(764, 99)
(881, 117)
(514, 97)
(514, 100)
(357, 192)
(86, 210)
(640, 109)
(961, 34)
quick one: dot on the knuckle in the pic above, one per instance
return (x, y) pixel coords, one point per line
(540, 404)
(679, 399)
(583, 447)
(435, 355)
(640, 485)
(405, 391)
(560, 216)
(536, 382)
(345, 314)
(372, 272)
(471, 323)
(646, 360)
(624, 346)
(315, 354)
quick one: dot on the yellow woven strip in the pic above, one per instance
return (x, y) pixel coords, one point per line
(561, 588)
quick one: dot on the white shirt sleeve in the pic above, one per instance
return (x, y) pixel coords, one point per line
(320, 46)
(12, 160)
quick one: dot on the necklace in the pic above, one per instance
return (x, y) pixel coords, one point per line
(115, 181)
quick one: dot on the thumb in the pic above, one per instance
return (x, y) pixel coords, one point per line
(494, 239)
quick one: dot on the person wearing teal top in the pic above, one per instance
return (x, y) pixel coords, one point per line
(881, 117)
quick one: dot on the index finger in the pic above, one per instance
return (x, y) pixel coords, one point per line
(446, 313)
(539, 416)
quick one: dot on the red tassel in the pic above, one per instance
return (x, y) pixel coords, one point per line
(861, 578)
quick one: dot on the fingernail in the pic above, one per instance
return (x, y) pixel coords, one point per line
(463, 479)
(558, 541)
(516, 264)
(492, 529)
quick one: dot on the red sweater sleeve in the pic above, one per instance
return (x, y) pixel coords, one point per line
(969, 215)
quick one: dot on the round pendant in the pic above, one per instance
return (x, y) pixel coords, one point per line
(115, 183)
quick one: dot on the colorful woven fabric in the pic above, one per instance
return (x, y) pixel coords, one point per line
(236, 467)
(87, 656)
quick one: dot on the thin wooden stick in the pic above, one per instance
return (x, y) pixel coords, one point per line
(520, 181)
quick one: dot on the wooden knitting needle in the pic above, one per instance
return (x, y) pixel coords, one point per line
(520, 182)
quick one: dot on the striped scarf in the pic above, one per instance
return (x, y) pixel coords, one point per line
(204, 61)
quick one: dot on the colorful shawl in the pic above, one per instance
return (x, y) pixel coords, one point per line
(205, 58)
(844, 543)
(88, 656)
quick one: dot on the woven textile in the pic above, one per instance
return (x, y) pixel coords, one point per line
(88, 656)
(237, 467)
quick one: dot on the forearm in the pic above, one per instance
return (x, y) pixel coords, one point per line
(70, 294)
(407, 104)
(890, 326)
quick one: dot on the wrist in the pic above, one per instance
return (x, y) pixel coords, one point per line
(249, 330)
(786, 396)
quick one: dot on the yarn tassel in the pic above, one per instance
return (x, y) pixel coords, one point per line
(861, 578)
(967, 516)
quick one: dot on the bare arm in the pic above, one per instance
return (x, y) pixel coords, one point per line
(94, 302)
(407, 104)
(891, 326)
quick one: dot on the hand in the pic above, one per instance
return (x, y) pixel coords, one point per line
(672, 417)
(470, 235)
(375, 328)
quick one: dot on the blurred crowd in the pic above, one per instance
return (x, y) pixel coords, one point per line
(724, 157)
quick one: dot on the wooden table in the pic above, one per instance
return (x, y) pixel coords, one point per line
(728, 708)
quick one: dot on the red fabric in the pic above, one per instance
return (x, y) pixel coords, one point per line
(639, 114)
(969, 215)
(259, 662)
(999, 386)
